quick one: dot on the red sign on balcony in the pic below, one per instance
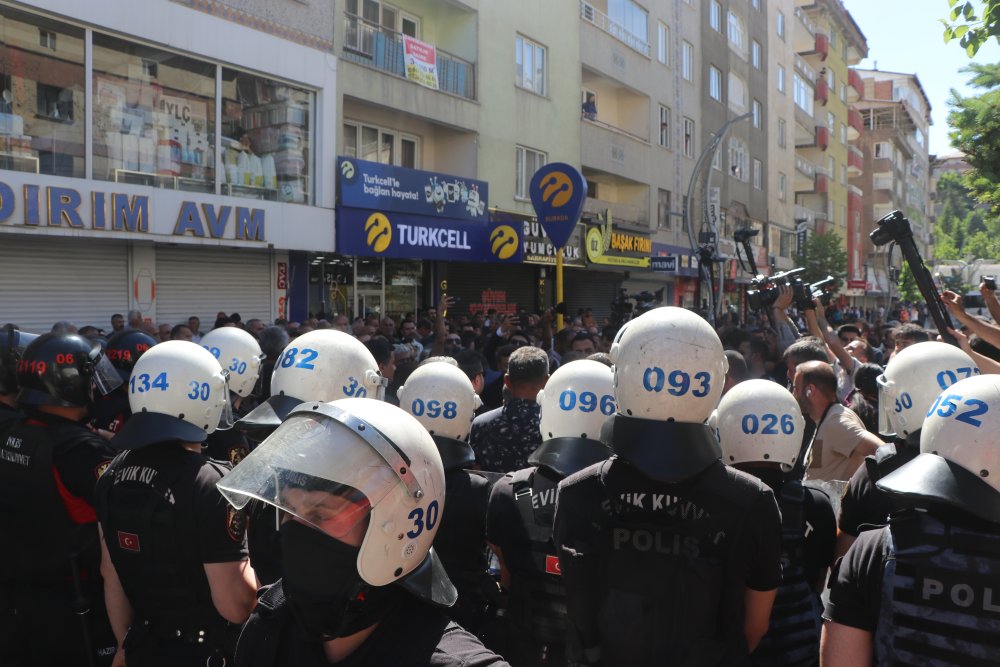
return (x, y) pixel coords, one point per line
(822, 45)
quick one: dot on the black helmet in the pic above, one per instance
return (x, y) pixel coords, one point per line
(125, 348)
(62, 370)
(12, 344)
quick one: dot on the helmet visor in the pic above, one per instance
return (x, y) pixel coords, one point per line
(315, 468)
(886, 401)
(18, 340)
(226, 419)
(106, 376)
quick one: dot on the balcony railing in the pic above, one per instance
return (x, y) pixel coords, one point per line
(822, 45)
(807, 22)
(855, 160)
(803, 214)
(371, 45)
(855, 124)
(822, 93)
(822, 137)
(805, 167)
(805, 69)
(591, 14)
(855, 86)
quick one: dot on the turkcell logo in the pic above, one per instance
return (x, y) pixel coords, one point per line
(557, 192)
(378, 232)
(503, 242)
(348, 171)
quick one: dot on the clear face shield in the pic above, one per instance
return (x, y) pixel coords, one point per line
(106, 377)
(226, 419)
(886, 403)
(378, 382)
(325, 472)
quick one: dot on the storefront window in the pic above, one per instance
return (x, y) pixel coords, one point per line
(404, 284)
(42, 105)
(266, 147)
(368, 286)
(154, 117)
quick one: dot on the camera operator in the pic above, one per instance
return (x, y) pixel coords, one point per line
(844, 365)
(786, 329)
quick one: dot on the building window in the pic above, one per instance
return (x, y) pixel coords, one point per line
(54, 103)
(833, 39)
(758, 177)
(528, 161)
(663, 209)
(756, 4)
(802, 93)
(47, 39)
(739, 160)
(831, 122)
(663, 43)
(715, 83)
(843, 133)
(688, 137)
(755, 51)
(831, 79)
(737, 93)
(715, 15)
(831, 167)
(781, 25)
(665, 126)
(757, 114)
(633, 19)
(737, 33)
(781, 132)
(687, 61)
(883, 149)
(781, 186)
(531, 63)
(781, 78)
(843, 92)
(843, 174)
(377, 144)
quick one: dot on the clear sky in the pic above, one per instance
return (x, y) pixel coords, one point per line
(905, 36)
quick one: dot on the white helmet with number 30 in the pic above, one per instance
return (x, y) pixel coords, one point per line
(959, 461)
(239, 353)
(177, 391)
(322, 365)
(442, 398)
(759, 421)
(669, 366)
(912, 380)
(355, 446)
(576, 401)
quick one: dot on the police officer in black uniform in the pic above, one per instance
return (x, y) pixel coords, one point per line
(576, 401)
(924, 589)
(668, 556)
(49, 465)
(178, 583)
(443, 400)
(912, 380)
(321, 365)
(760, 429)
(360, 487)
(123, 350)
(12, 344)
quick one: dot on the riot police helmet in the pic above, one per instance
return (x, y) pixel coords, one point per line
(441, 397)
(125, 348)
(63, 370)
(177, 392)
(959, 462)
(759, 421)
(239, 353)
(12, 344)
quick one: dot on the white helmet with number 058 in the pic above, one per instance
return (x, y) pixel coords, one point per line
(669, 366)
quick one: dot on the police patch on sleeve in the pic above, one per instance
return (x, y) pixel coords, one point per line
(101, 467)
(236, 524)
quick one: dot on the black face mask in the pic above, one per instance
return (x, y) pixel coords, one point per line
(320, 578)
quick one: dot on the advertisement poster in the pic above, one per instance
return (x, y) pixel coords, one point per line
(420, 59)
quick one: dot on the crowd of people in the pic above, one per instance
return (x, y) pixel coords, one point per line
(449, 488)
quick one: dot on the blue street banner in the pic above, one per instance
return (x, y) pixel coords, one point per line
(558, 191)
(370, 233)
(383, 187)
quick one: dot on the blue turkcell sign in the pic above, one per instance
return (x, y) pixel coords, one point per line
(383, 187)
(368, 233)
(558, 191)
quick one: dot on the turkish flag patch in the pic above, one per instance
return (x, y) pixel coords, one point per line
(128, 541)
(552, 566)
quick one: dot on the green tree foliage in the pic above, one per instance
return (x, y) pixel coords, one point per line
(908, 290)
(975, 130)
(822, 255)
(972, 23)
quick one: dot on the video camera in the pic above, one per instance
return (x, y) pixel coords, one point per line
(765, 290)
(643, 301)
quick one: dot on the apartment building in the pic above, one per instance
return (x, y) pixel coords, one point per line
(896, 114)
(789, 108)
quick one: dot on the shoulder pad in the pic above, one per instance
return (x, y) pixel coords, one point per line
(885, 452)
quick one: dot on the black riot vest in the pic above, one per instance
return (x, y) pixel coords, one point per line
(537, 602)
(142, 515)
(793, 635)
(940, 593)
(45, 542)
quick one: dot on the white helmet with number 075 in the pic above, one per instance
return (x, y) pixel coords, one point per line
(912, 380)
(669, 366)
(576, 401)
(442, 398)
(239, 353)
(759, 421)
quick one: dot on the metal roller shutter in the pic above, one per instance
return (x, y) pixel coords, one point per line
(43, 280)
(585, 288)
(203, 281)
(468, 282)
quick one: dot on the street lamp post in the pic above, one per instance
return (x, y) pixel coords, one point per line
(706, 246)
